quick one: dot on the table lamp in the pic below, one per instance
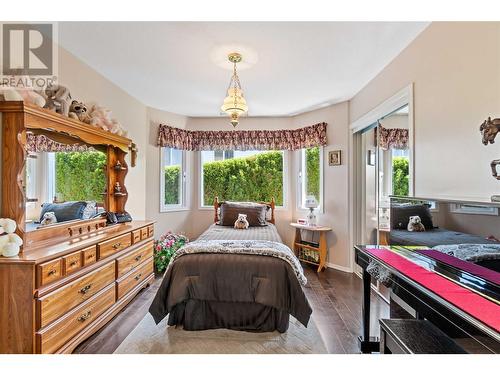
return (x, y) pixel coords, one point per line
(311, 203)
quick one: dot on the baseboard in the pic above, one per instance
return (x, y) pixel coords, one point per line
(339, 268)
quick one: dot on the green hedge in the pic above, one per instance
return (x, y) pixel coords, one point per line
(400, 176)
(80, 175)
(172, 179)
(254, 178)
(313, 172)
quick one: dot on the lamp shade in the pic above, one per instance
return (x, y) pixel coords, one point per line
(234, 102)
(311, 202)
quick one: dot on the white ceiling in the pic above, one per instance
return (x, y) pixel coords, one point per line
(295, 67)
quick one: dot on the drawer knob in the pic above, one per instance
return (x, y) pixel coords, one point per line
(84, 316)
(72, 264)
(52, 272)
(117, 245)
(85, 289)
(90, 256)
(138, 276)
(138, 257)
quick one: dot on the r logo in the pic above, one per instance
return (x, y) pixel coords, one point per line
(27, 49)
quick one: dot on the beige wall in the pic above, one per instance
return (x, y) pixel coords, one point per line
(176, 221)
(455, 68)
(90, 87)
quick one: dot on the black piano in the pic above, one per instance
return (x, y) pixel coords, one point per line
(462, 299)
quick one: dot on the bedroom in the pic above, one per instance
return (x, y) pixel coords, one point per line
(146, 174)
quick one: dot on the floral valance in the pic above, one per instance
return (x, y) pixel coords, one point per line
(41, 143)
(391, 138)
(242, 140)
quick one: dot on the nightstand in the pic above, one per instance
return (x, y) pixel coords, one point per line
(383, 236)
(309, 251)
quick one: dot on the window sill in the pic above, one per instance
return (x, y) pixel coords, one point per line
(319, 210)
(174, 209)
(211, 208)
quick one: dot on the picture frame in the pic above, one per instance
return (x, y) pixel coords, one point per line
(335, 157)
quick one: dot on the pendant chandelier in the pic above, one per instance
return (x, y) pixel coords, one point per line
(234, 104)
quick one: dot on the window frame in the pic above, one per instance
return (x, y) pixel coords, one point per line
(300, 180)
(182, 206)
(203, 206)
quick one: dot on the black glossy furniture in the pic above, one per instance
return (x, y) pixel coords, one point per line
(412, 336)
(471, 334)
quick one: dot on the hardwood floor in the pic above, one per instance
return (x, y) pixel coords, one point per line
(335, 298)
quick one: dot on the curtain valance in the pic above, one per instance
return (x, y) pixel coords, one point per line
(42, 143)
(242, 140)
(392, 138)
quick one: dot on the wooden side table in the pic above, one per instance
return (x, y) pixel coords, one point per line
(383, 236)
(308, 251)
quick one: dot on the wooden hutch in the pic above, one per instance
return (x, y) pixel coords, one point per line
(70, 278)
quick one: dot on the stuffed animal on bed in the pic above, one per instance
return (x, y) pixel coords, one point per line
(241, 222)
(48, 218)
(415, 224)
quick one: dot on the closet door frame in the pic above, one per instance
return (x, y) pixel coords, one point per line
(398, 100)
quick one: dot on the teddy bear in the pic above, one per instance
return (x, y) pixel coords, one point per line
(415, 224)
(25, 94)
(48, 218)
(241, 222)
(10, 242)
(58, 99)
(101, 118)
(78, 111)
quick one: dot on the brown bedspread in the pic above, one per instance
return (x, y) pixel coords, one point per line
(231, 278)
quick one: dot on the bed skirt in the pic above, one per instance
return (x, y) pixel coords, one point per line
(195, 315)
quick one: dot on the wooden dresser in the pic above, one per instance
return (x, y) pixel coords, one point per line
(71, 277)
(53, 298)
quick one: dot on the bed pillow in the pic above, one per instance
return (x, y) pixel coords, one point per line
(64, 211)
(400, 215)
(256, 213)
(89, 210)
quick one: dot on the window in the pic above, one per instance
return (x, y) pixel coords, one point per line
(400, 172)
(242, 176)
(310, 175)
(172, 179)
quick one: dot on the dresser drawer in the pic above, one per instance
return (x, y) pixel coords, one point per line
(59, 302)
(130, 261)
(129, 281)
(89, 256)
(151, 231)
(136, 236)
(113, 245)
(49, 271)
(72, 262)
(54, 336)
(144, 233)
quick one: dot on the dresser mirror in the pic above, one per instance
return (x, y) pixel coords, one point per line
(63, 181)
(466, 230)
(60, 168)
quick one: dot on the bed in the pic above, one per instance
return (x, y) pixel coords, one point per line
(236, 279)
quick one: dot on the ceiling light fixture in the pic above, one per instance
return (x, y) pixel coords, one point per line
(234, 104)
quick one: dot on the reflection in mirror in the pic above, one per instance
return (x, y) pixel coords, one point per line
(464, 230)
(63, 186)
(393, 160)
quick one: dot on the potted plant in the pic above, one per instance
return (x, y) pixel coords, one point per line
(165, 248)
